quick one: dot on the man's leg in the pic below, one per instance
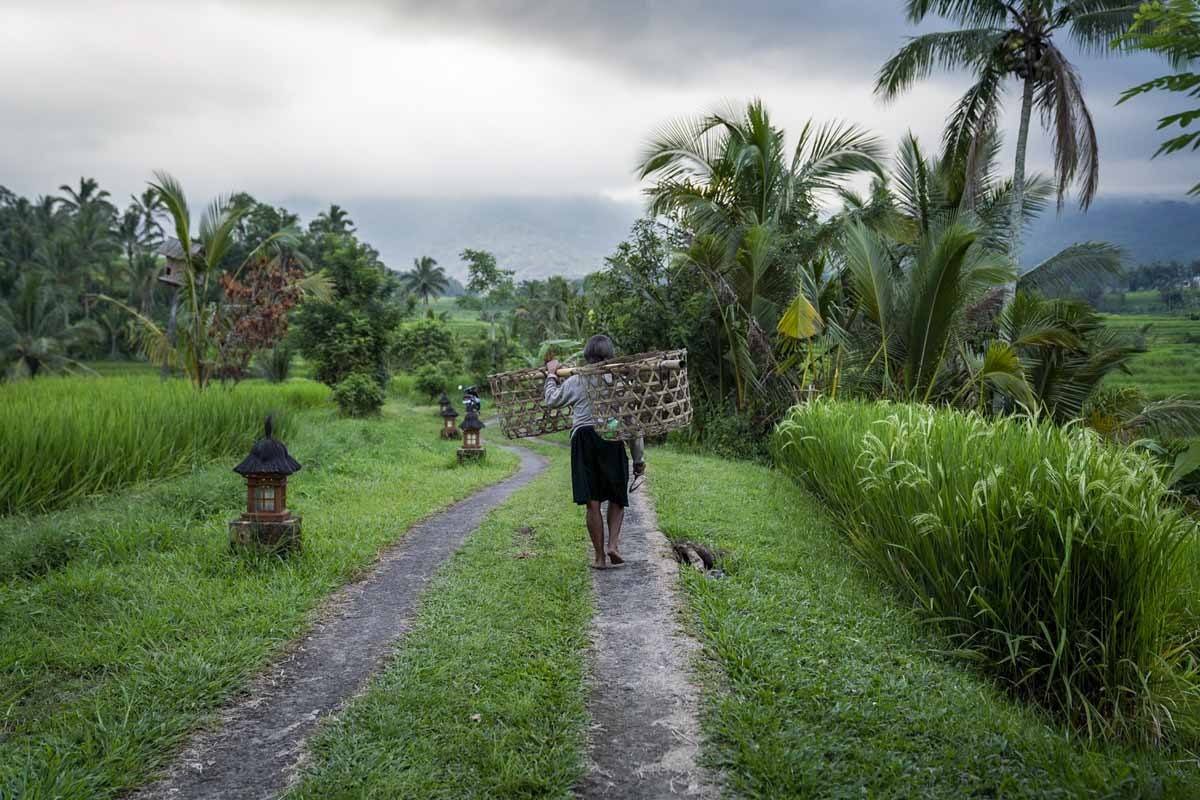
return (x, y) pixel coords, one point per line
(595, 526)
(616, 516)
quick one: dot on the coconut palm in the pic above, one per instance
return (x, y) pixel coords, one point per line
(748, 199)
(426, 279)
(35, 334)
(335, 221)
(731, 169)
(203, 258)
(88, 195)
(925, 189)
(140, 233)
(1000, 40)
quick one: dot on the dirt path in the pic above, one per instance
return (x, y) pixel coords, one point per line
(259, 744)
(645, 734)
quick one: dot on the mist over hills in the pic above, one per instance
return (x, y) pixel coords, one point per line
(536, 237)
(1148, 229)
(571, 236)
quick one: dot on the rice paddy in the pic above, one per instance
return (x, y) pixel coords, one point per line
(62, 439)
(1171, 367)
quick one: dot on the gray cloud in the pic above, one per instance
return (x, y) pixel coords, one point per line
(417, 98)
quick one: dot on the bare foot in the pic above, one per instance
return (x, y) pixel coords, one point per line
(599, 563)
(615, 557)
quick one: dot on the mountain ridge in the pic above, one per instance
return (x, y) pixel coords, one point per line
(571, 236)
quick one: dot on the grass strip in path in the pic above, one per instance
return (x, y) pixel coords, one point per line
(108, 661)
(485, 699)
(260, 742)
(820, 685)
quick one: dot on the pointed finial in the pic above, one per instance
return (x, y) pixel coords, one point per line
(269, 426)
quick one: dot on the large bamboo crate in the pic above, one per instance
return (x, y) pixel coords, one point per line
(631, 396)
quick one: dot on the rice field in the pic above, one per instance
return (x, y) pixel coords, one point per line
(62, 439)
(1172, 365)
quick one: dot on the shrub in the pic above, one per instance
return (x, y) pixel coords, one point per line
(724, 433)
(358, 395)
(65, 438)
(275, 365)
(1049, 556)
(426, 342)
(429, 381)
(353, 331)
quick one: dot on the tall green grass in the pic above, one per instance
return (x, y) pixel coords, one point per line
(1049, 556)
(66, 438)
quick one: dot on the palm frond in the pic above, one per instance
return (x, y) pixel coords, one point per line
(1073, 265)
(916, 60)
(869, 268)
(966, 12)
(1059, 97)
(826, 153)
(173, 197)
(1002, 370)
(1173, 417)
(972, 122)
(1094, 24)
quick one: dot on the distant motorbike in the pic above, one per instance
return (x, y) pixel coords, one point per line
(471, 400)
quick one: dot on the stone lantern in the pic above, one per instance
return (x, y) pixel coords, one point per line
(267, 523)
(472, 437)
(443, 401)
(449, 428)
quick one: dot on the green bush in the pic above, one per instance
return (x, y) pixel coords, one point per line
(429, 381)
(358, 395)
(275, 365)
(1048, 555)
(65, 438)
(424, 343)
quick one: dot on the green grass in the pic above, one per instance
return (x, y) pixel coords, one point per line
(818, 684)
(1053, 559)
(485, 699)
(110, 369)
(107, 662)
(1172, 366)
(463, 323)
(65, 438)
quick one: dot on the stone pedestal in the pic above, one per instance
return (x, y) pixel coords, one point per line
(470, 454)
(266, 537)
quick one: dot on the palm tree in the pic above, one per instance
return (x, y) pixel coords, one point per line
(87, 195)
(913, 299)
(334, 221)
(139, 233)
(923, 190)
(1001, 39)
(35, 333)
(426, 279)
(747, 199)
(203, 260)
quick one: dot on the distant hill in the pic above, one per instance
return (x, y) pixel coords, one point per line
(571, 236)
(1150, 230)
(537, 237)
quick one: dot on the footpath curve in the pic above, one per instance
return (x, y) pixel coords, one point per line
(257, 747)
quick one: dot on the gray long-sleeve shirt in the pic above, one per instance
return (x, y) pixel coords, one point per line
(572, 392)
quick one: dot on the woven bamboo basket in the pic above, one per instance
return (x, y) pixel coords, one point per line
(631, 396)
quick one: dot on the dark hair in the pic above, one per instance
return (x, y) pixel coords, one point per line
(599, 348)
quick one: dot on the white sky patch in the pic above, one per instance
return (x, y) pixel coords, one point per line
(334, 104)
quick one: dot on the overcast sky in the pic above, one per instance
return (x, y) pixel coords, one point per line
(371, 98)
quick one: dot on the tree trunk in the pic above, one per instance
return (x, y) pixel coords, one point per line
(171, 323)
(1018, 193)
